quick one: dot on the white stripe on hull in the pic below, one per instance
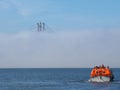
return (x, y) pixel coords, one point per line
(100, 79)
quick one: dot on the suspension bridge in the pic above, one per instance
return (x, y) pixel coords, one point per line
(41, 27)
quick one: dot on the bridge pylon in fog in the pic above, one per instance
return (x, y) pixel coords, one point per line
(41, 27)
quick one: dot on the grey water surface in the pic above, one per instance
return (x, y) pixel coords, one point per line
(53, 79)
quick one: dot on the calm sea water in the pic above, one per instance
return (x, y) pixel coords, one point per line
(53, 79)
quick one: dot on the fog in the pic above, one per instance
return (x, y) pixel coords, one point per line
(65, 49)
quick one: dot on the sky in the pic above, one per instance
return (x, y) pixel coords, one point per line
(79, 33)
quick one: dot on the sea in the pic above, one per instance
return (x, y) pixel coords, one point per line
(54, 79)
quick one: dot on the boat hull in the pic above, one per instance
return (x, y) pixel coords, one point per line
(100, 79)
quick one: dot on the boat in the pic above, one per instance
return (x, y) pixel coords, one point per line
(101, 74)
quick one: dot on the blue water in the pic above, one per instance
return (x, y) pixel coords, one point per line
(53, 79)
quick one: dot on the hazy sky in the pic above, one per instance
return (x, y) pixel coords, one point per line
(81, 33)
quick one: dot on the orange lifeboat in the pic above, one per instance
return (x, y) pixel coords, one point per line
(101, 73)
